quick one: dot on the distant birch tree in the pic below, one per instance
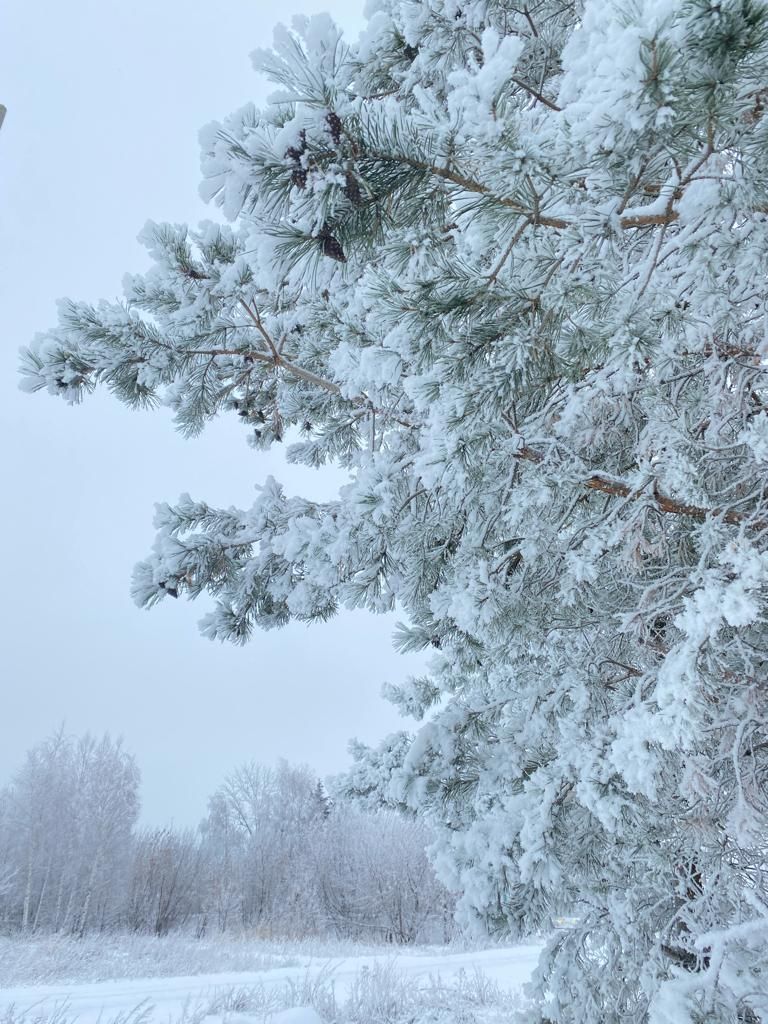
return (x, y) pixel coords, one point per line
(67, 824)
(260, 829)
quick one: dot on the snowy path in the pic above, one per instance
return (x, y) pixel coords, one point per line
(510, 968)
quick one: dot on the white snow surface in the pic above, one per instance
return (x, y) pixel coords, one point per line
(167, 999)
(297, 1015)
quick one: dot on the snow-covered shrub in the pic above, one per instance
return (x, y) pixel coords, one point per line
(381, 994)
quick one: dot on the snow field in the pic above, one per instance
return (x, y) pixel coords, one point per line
(482, 986)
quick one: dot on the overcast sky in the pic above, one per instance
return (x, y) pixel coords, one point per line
(104, 104)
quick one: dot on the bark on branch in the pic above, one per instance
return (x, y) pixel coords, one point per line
(606, 485)
(637, 220)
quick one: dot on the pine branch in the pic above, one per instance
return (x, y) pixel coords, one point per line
(617, 488)
(284, 363)
(535, 93)
(277, 360)
(260, 327)
(638, 220)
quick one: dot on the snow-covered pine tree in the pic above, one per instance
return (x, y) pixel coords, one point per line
(506, 265)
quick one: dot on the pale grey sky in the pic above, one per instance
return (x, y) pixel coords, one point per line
(104, 104)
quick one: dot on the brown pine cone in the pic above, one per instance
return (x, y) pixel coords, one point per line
(334, 127)
(331, 246)
(352, 189)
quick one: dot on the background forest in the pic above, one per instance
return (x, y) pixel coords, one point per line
(274, 856)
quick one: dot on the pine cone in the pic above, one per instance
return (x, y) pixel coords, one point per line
(193, 273)
(333, 249)
(334, 127)
(292, 153)
(331, 246)
(352, 189)
(299, 177)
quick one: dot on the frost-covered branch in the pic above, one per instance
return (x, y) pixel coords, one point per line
(618, 488)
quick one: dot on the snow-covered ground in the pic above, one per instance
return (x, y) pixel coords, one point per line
(370, 984)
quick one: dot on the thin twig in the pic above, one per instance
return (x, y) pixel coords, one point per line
(533, 92)
(260, 328)
(507, 252)
(529, 19)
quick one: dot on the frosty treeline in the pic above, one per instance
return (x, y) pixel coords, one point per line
(505, 263)
(274, 857)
